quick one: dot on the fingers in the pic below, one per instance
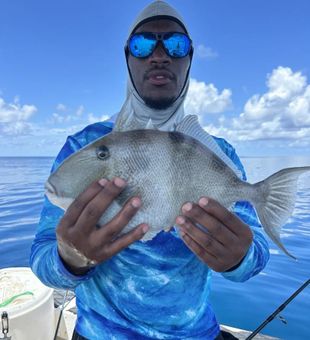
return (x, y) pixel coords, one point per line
(241, 230)
(229, 219)
(97, 206)
(217, 256)
(202, 238)
(212, 224)
(77, 206)
(77, 228)
(115, 226)
(214, 234)
(123, 241)
(201, 252)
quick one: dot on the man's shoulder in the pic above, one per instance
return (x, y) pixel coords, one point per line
(225, 146)
(92, 131)
(81, 138)
(230, 151)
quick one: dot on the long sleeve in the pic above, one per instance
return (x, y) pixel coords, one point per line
(258, 254)
(44, 258)
(45, 261)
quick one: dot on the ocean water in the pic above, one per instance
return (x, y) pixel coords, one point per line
(242, 305)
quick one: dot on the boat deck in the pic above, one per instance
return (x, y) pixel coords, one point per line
(69, 317)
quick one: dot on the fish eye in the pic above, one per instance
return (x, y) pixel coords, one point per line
(103, 152)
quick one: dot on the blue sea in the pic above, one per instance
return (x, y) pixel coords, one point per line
(241, 305)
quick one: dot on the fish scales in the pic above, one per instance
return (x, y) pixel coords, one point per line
(164, 169)
(167, 169)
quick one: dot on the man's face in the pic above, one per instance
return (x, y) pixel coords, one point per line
(159, 78)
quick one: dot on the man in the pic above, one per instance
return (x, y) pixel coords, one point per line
(126, 288)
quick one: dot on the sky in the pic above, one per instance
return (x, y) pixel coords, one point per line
(62, 67)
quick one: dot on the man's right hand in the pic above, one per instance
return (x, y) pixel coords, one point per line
(77, 231)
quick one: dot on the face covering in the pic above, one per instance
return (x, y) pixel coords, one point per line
(135, 114)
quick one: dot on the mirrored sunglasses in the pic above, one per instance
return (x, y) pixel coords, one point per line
(143, 44)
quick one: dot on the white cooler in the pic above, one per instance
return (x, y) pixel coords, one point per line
(31, 315)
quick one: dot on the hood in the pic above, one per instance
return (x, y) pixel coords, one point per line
(135, 113)
(158, 10)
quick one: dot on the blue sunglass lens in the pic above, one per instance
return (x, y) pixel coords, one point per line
(177, 45)
(142, 45)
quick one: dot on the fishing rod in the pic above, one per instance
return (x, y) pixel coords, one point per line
(276, 312)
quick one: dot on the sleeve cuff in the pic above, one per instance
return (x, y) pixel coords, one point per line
(67, 274)
(245, 267)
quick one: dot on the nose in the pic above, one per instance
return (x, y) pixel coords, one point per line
(159, 56)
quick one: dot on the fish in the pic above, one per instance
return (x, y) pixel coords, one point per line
(166, 169)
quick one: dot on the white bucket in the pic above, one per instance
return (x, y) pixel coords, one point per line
(31, 317)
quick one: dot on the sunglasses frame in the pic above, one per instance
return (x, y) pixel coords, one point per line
(160, 37)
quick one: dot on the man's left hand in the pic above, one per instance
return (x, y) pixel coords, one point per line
(216, 235)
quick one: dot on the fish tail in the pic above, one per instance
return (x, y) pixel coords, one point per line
(274, 201)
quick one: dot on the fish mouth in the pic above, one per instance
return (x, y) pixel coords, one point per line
(49, 189)
(54, 197)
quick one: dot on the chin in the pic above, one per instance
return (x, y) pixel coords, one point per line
(159, 103)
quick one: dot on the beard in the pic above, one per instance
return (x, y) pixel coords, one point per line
(159, 104)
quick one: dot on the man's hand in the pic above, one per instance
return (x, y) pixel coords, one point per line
(78, 235)
(221, 240)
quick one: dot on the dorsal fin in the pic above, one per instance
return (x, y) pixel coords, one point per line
(150, 125)
(191, 127)
(128, 121)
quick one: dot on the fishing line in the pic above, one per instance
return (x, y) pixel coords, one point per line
(276, 312)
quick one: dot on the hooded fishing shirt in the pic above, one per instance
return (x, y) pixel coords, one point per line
(157, 289)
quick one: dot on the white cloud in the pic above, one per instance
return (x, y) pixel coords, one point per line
(18, 128)
(284, 83)
(283, 112)
(60, 118)
(61, 107)
(93, 119)
(31, 138)
(64, 132)
(288, 98)
(80, 111)
(14, 112)
(203, 51)
(14, 117)
(205, 98)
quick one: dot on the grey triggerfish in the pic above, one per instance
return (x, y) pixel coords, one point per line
(167, 169)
